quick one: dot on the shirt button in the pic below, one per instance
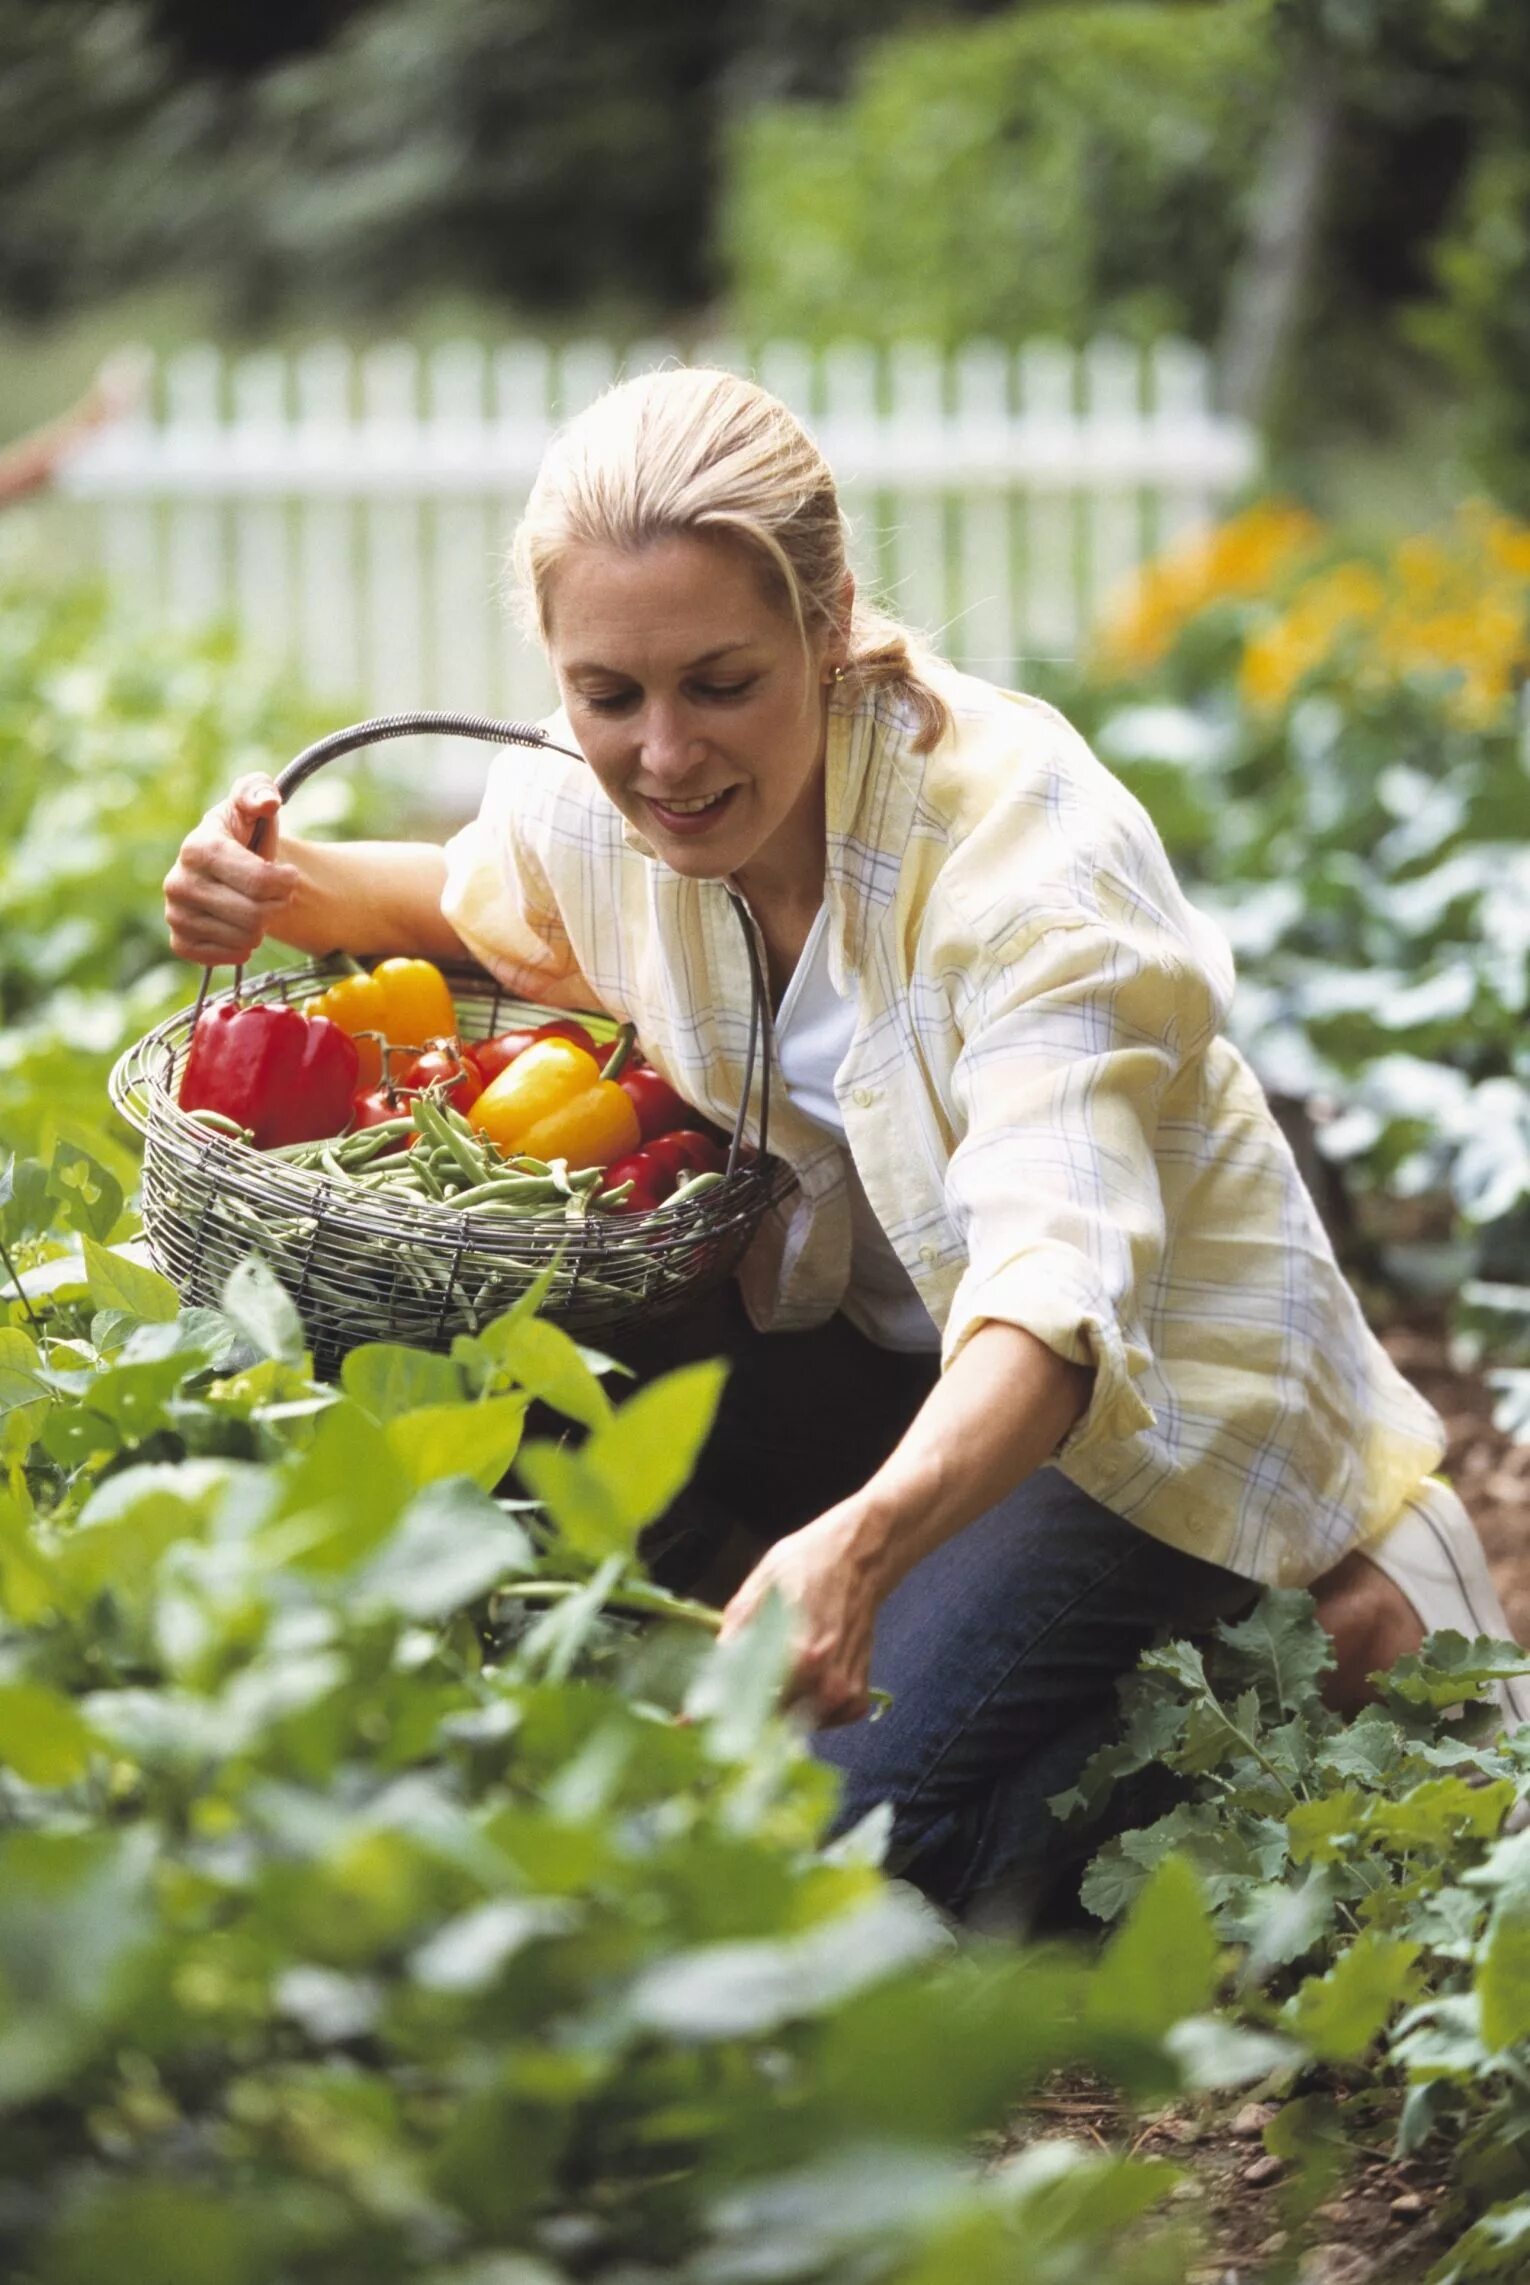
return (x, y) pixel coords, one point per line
(864, 1097)
(929, 1255)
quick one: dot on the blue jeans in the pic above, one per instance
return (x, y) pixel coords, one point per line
(1001, 1650)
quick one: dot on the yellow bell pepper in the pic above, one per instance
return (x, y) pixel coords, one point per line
(358, 1005)
(418, 1002)
(554, 1101)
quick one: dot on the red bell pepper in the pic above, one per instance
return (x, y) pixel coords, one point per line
(288, 1078)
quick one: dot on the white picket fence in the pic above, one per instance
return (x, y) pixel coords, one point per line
(350, 511)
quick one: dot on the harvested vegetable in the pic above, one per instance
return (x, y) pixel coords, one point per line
(555, 1101)
(446, 1068)
(285, 1077)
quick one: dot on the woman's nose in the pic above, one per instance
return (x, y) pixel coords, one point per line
(670, 747)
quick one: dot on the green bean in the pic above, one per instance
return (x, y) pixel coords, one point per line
(525, 1187)
(695, 1187)
(221, 1125)
(431, 1123)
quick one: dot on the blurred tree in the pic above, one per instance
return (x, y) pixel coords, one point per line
(1058, 169)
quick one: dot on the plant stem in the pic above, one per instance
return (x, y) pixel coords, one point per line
(651, 1601)
(14, 1275)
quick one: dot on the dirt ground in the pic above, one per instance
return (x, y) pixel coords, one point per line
(1385, 2223)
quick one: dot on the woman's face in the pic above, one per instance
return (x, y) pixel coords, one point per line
(696, 706)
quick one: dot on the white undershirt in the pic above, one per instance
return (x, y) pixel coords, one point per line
(814, 1028)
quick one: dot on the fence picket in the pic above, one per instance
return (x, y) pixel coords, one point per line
(360, 525)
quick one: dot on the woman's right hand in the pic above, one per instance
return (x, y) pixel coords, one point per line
(222, 898)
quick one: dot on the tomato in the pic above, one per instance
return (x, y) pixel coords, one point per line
(650, 1184)
(659, 1109)
(375, 1107)
(492, 1056)
(686, 1151)
(443, 1060)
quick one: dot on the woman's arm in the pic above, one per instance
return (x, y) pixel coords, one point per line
(222, 898)
(998, 1413)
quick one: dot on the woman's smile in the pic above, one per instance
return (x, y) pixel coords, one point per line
(699, 707)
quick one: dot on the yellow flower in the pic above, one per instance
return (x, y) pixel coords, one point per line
(1324, 613)
(1237, 559)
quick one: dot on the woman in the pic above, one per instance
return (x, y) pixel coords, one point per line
(1048, 1351)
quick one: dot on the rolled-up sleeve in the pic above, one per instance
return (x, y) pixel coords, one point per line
(1073, 1035)
(497, 895)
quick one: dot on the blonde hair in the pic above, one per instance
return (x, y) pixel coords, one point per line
(696, 451)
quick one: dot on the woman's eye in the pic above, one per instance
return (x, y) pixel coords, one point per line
(724, 690)
(608, 701)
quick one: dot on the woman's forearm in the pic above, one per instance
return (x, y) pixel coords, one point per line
(367, 896)
(998, 1413)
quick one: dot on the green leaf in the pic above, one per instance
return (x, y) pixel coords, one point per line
(262, 1309)
(474, 1440)
(90, 1197)
(1449, 1669)
(28, 1588)
(451, 1545)
(25, 1206)
(42, 1735)
(1280, 1648)
(118, 1282)
(547, 1364)
(1338, 2015)
(1213, 2053)
(387, 1379)
(633, 1468)
(1439, 1813)
(340, 1498)
(738, 1991)
(1496, 2245)
(1162, 1964)
(737, 1688)
(1370, 1748)
(174, 2232)
(1503, 1970)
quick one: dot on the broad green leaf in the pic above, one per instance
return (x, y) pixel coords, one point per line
(73, 1918)
(737, 1687)
(548, 1365)
(738, 1991)
(25, 1207)
(581, 1501)
(128, 1523)
(262, 1309)
(450, 1546)
(1449, 1669)
(386, 1379)
(1162, 1964)
(1436, 1814)
(20, 1358)
(1370, 1748)
(474, 1440)
(42, 1735)
(28, 1587)
(1280, 1649)
(91, 1198)
(1496, 2246)
(1324, 1829)
(1339, 2015)
(1062, 2197)
(1503, 1971)
(118, 1282)
(633, 1468)
(1214, 2053)
(340, 1498)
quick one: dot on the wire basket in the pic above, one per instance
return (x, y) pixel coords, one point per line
(363, 1266)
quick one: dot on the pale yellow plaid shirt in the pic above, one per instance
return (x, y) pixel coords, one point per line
(1047, 1121)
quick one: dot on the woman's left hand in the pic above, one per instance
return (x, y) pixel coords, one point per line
(824, 1577)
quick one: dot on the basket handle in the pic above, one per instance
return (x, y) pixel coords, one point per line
(385, 726)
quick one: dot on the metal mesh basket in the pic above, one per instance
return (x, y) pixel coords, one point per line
(362, 1266)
